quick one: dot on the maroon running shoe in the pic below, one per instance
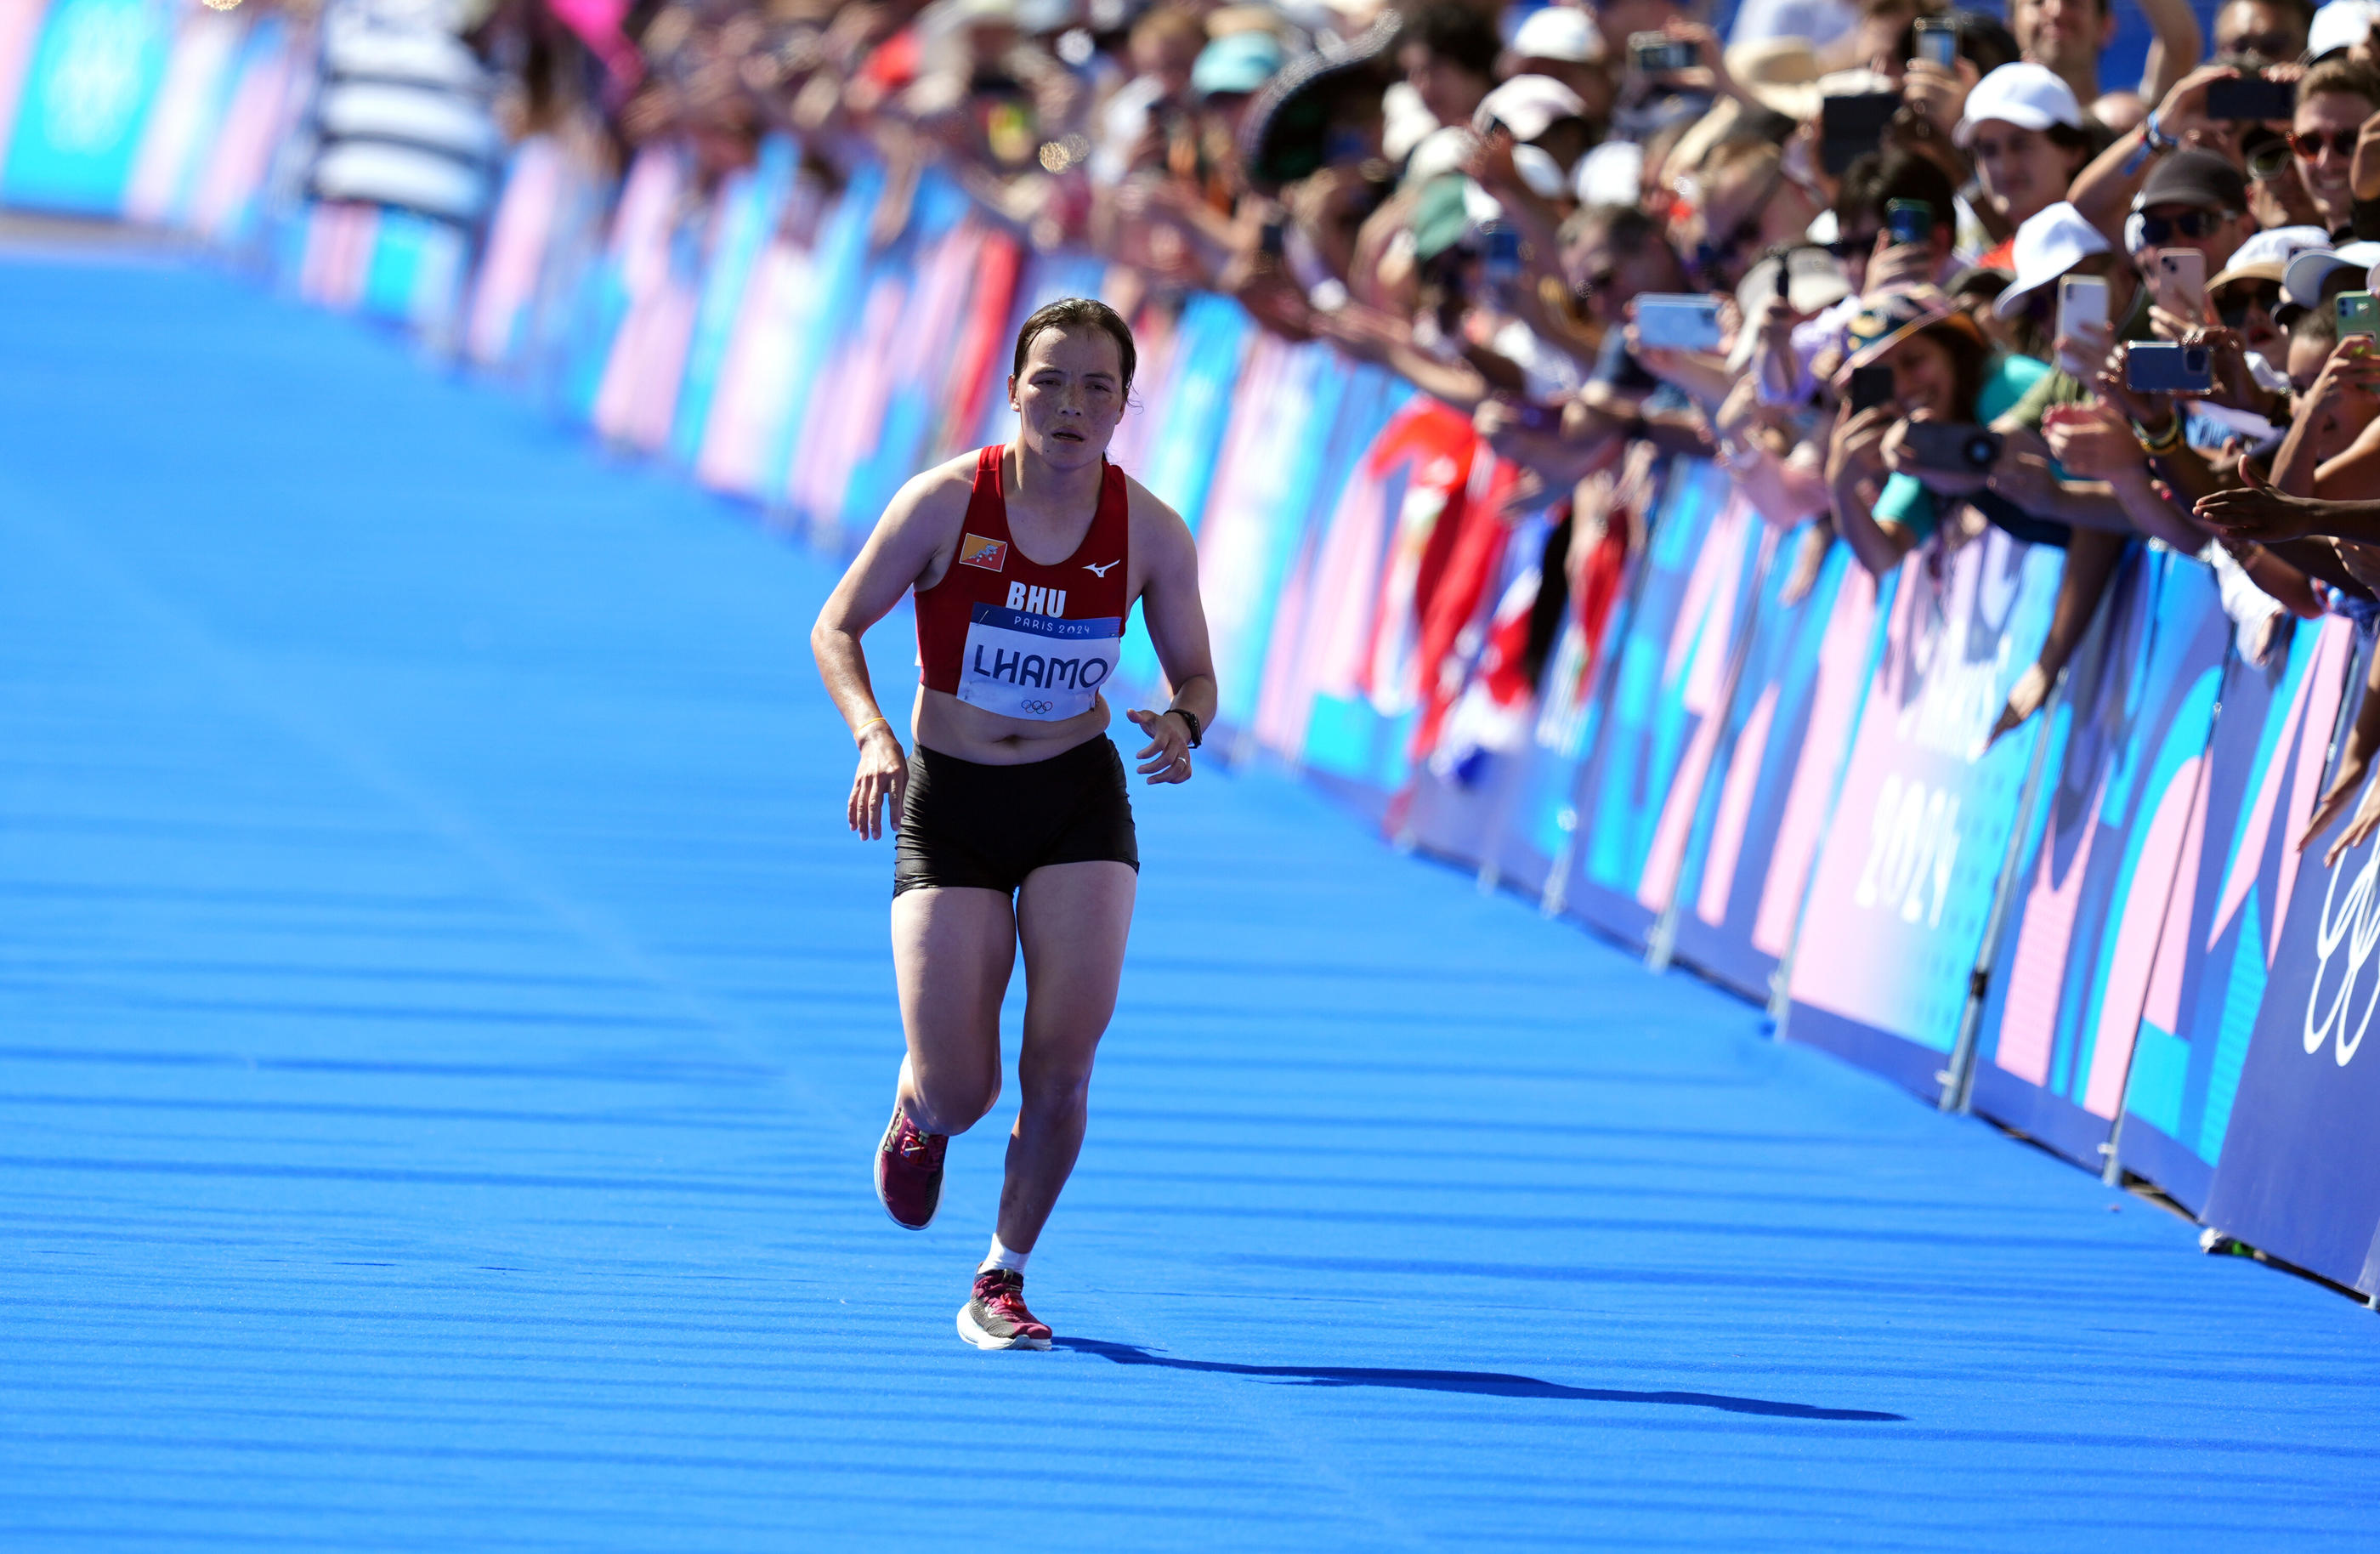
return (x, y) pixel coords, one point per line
(909, 1171)
(996, 1318)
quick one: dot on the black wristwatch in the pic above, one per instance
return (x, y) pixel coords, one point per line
(1192, 718)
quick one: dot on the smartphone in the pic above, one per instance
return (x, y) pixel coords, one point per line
(1937, 43)
(1272, 238)
(2356, 314)
(1501, 262)
(1851, 126)
(1677, 321)
(2162, 367)
(1871, 386)
(2250, 97)
(1948, 446)
(2082, 300)
(1909, 221)
(2178, 279)
(1658, 54)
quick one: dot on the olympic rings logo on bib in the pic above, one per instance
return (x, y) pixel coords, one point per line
(1041, 667)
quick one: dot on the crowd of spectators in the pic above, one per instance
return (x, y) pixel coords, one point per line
(1906, 272)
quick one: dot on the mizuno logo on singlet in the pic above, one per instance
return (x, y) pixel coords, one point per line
(1101, 572)
(1037, 602)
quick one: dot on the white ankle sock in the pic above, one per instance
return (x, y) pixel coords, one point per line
(1000, 1256)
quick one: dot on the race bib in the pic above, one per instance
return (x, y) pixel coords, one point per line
(1037, 666)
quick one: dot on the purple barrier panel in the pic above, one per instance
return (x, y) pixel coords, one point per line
(1283, 706)
(1902, 893)
(187, 120)
(267, 92)
(634, 263)
(20, 29)
(1272, 453)
(1174, 442)
(2300, 1171)
(2237, 873)
(1665, 700)
(1806, 671)
(750, 209)
(2096, 876)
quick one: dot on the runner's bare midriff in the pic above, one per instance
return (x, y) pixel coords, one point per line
(944, 723)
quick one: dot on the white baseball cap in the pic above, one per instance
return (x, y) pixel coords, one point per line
(2342, 24)
(2049, 244)
(2301, 282)
(1528, 105)
(2027, 95)
(2266, 256)
(1562, 32)
(1612, 174)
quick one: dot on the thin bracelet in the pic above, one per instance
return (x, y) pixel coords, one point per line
(871, 722)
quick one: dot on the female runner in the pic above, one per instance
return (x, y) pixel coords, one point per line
(1015, 822)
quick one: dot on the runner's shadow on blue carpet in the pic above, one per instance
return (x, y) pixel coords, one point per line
(1485, 1382)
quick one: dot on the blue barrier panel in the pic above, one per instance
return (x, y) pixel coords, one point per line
(2096, 874)
(1805, 672)
(2300, 1173)
(2238, 876)
(1902, 893)
(87, 98)
(1271, 459)
(750, 204)
(1667, 688)
(838, 262)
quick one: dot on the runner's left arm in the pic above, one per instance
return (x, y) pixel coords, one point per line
(1170, 607)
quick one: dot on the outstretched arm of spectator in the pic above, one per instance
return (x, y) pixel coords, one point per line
(2091, 560)
(1370, 334)
(2103, 192)
(2176, 43)
(2258, 511)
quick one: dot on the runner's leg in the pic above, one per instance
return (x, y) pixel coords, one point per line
(1073, 919)
(952, 950)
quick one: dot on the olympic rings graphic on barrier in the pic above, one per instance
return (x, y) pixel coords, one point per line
(2356, 923)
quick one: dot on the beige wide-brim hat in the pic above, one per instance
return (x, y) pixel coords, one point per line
(1781, 74)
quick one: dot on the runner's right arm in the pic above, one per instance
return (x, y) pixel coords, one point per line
(907, 547)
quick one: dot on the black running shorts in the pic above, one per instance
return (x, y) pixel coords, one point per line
(988, 827)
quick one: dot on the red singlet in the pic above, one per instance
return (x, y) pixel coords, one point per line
(1012, 636)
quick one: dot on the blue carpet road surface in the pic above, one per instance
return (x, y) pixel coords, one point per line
(445, 1027)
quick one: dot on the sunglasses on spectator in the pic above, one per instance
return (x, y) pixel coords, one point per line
(2268, 161)
(2309, 147)
(1857, 246)
(2237, 302)
(2272, 45)
(2160, 230)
